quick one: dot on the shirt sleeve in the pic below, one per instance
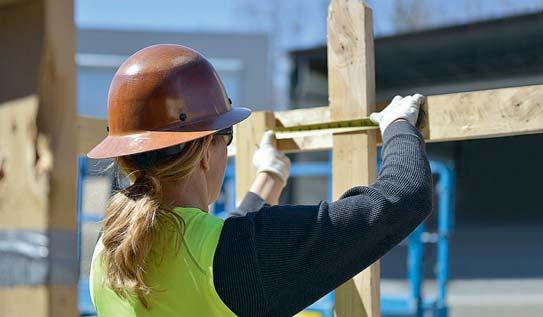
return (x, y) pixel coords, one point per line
(251, 202)
(280, 259)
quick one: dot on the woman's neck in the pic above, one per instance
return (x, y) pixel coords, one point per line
(188, 192)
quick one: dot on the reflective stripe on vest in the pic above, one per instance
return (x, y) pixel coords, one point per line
(181, 277)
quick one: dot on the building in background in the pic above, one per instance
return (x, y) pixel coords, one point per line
(242, 61)
(289, 24)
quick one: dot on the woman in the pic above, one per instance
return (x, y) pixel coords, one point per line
(162, 254)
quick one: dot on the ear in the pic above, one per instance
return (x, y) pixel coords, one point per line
(204, 162)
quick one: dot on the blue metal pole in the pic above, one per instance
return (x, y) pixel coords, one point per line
(80, 181)
(445, 189)
(415, 256)
(444, 223)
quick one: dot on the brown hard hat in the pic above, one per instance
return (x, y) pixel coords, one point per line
(161, 96)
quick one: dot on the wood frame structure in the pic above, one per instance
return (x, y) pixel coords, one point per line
(38, 158)
(351, 80)
(450, 117)
(38, 109)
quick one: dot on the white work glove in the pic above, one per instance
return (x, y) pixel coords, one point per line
(399, 108)
(268, 159)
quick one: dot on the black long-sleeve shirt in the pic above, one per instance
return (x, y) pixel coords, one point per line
(277, 260)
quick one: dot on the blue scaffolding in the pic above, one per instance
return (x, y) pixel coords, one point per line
(414, 303)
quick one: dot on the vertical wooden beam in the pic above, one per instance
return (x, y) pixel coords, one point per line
(39, 87)
(351, 80)
(248, 134)
(56, 119)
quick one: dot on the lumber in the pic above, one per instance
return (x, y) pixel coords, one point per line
(36, 303)
(247, 135)
(56, 119)
(292, 118)
(19, 169)
(4, 3)
(485, 114)
(450, 117)
(38, 296)
(90, 132)
(351, 91)
(39, 102)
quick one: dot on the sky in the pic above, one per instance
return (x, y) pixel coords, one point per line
(263, 15)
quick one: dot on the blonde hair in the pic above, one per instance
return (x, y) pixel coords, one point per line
(134, 215)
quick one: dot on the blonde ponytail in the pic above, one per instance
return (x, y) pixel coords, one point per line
(134, 215)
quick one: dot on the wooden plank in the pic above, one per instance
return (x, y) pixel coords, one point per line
(56, 119)
(452, 117)
(38, 41)
(4, 3)
(19, 301)
(296, 117)
(485, 114)
(248, 134)
(20, 173)
(22, 39)
(457, 116)
(90, 131)
(351, 82)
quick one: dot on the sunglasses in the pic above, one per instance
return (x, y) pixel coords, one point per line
(227, 134)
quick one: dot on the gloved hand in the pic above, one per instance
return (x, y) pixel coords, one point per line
(399, 108)
(268, 159)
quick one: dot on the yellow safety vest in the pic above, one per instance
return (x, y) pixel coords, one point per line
(182, 279)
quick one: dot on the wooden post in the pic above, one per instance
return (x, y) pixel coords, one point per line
(351, 80)
(56, 119)
(38, 158)
(248, 134)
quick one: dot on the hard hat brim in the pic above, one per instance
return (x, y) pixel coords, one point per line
(144, 141)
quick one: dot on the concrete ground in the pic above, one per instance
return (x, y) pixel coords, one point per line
(495, 270)
(483, 297)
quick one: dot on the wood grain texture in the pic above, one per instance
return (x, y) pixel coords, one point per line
(57, 120)
(351, 90)
(248, 134)
(484, 114)
(38, 39)
(453, 117)
(296, 117)
(24, 301)
(23, 190)
(450, 117)
(57, 112)
(20, 172)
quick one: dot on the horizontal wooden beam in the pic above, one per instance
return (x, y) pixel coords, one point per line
(485, 114)
(90, 131)
(450, 117)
